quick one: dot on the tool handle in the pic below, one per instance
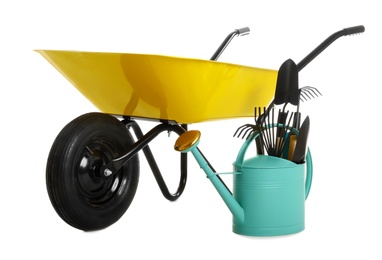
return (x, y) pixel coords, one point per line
(238, 32)
(292, 146)
(327, 42)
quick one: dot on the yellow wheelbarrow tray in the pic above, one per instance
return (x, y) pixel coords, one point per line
(161, 87)
(171, 90)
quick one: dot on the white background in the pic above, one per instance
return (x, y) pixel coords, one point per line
(343, 211)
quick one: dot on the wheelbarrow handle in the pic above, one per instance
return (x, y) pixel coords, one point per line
(238, 32)
(327, 42)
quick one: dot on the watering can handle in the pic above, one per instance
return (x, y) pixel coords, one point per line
(308, 161)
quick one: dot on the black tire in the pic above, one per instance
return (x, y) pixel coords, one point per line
(81, 196)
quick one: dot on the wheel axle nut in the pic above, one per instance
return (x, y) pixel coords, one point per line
(107, 172)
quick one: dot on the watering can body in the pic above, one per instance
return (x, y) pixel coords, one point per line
(271, 192)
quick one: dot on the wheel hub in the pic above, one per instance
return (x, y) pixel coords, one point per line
(96, 187)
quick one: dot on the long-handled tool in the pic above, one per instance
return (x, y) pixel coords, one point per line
(322, 47)
(283, 92)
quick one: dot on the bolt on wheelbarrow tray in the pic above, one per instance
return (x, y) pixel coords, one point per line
(177, 89)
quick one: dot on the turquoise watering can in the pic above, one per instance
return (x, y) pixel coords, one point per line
(269, 192)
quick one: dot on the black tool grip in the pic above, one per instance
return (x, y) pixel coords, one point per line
(354, 30)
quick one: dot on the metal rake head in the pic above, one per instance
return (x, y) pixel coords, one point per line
(245, 131)
(307, 93)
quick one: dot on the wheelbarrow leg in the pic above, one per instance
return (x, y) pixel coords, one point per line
(145, 139)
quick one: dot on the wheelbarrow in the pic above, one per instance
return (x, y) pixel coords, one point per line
(92, 169)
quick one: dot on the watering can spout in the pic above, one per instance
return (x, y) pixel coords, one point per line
(188, 142)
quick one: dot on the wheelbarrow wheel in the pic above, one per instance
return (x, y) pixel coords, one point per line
(80, 194)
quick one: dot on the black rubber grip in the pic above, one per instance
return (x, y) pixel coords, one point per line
(354, 30)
